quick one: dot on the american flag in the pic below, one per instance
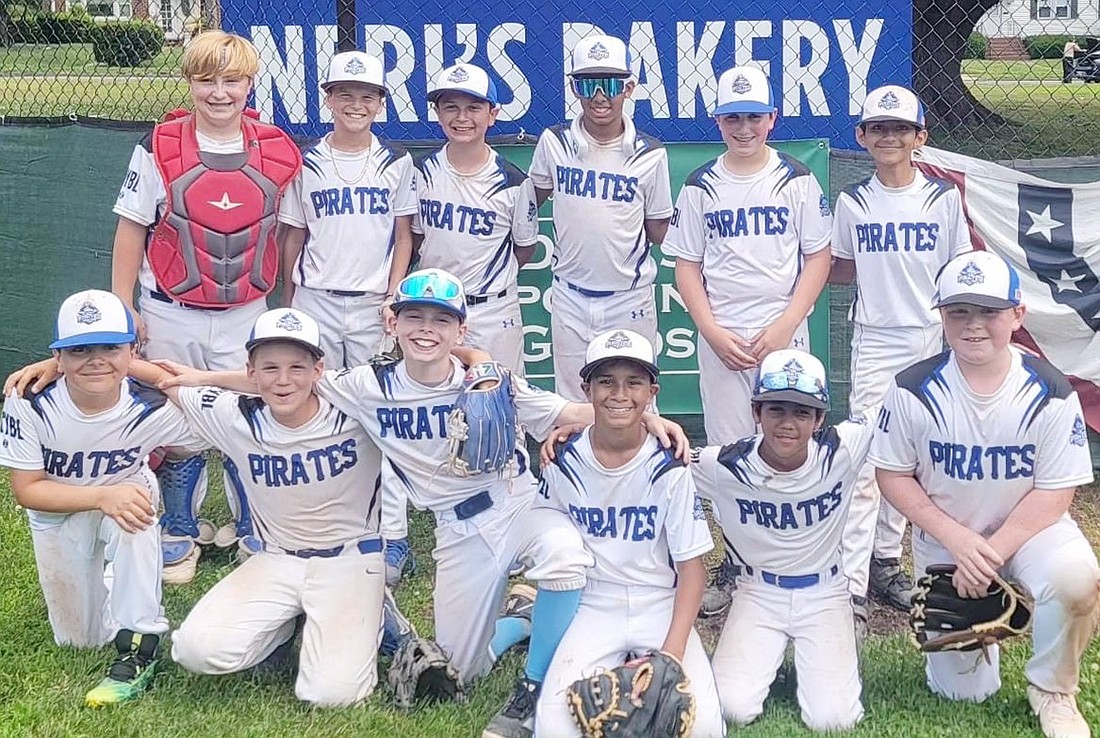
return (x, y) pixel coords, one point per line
(1051, 233)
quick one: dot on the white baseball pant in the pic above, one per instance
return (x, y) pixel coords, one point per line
(576, 318)
(472, 559)
(818, 619)
(874, 527)
(351, 326)
(496, 327)
(1058, 567)
(614, 624)
(251, 612)
(726, 394)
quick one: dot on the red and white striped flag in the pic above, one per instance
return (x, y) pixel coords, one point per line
(1051, 233)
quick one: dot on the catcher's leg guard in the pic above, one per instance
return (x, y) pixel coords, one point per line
(179, 483)
(240, 532)
(396, 628)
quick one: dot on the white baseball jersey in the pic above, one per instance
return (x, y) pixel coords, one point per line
(46, 431)
(637, 519)
(977, 456)
(315, 486)
(899, 238)
(750, 233)
(472, 222)
(788, 523)
(603, 194)
(408, 421)
(142, 197)
(348, 202)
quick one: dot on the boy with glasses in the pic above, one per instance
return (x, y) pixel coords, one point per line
(612, 199)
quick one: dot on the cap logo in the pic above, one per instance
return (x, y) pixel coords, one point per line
(354, 66)
(889, 101)
(598, 52)
(458, 74)
(741, 85)
(289, 322)
(793, 369)
(618, 340)
(971, 275)
(88, 314)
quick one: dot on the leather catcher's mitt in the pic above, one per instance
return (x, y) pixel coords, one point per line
(420, 670)
(941, 620)
(481, 428)
(649, 696)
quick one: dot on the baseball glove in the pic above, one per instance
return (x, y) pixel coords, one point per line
(481, 428)
(420, 670)
(649, 696)
(941, 620)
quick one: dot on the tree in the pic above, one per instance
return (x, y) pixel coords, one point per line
(940, 31)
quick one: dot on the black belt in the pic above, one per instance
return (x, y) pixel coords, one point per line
(346, 293)
(367, 546)
(161, 297)
(584, 290)
(480, 299)
(471, 506)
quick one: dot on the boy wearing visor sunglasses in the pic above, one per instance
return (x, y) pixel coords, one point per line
(612, 200)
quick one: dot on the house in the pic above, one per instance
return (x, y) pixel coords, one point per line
(176, 17)
(1011, 20)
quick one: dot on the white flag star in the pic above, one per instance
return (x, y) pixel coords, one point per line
(1043, 223)
(226, 204)
(1066, 282)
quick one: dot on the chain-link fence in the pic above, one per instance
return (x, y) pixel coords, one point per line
(1001, 80)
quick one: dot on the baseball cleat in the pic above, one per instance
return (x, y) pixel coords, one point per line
(226, 536)
(860, 615)
(180, 559)
(517, 718)
(716, 598)
(1058, 714)
(890, 585)
(519, 602)
(130, 674)
(400, 561)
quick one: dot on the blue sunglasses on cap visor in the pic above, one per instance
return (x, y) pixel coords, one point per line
(587, 87)
(801, 382)
(431, 288)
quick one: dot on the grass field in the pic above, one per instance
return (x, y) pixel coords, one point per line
(42, 685)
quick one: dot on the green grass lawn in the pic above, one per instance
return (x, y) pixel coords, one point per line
(42, 685)
(1032, 69)
(77, 59)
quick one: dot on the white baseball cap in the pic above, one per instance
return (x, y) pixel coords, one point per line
(474, 81)
(744, 90)
(286, 324)
(790, 375)
(93, 318)
(619, 344)
(601, 55)
(977, 278)
(893, 102)
(355, 66)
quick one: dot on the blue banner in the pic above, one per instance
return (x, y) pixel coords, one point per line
(822, 59)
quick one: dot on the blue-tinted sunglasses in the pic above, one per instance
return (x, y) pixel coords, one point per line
(431, 287)
(587, 87)
(801, 382)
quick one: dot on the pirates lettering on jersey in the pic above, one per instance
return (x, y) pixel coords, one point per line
(413, 423)
(975, 463)
(446, 216)
(630, 523)
(350, 201)
(790, 515)
(892, 237)
(596, 185)
(761, 220)
(89, 464)
(316, 465)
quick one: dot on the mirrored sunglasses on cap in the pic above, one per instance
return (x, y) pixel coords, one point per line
(587, 87)
(431, 287)
(800, 382)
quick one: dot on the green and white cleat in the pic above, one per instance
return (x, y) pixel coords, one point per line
(130, 674)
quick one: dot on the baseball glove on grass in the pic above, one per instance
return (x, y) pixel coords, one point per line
(649, 696)
(421, 671)
(941, 620)
(481, 428)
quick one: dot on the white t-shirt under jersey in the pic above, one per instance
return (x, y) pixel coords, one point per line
(315, 486)
(637, 519)
(977, 456)
(408, 421)
(750, 234)
(788, 523)
(350, 223)
(472, 222)
(46, 431)
(142, 197)
(603, 194)
(899, 238)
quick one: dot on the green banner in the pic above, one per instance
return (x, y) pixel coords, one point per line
(679, 371)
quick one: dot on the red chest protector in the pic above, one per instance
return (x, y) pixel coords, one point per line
(215, 244)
